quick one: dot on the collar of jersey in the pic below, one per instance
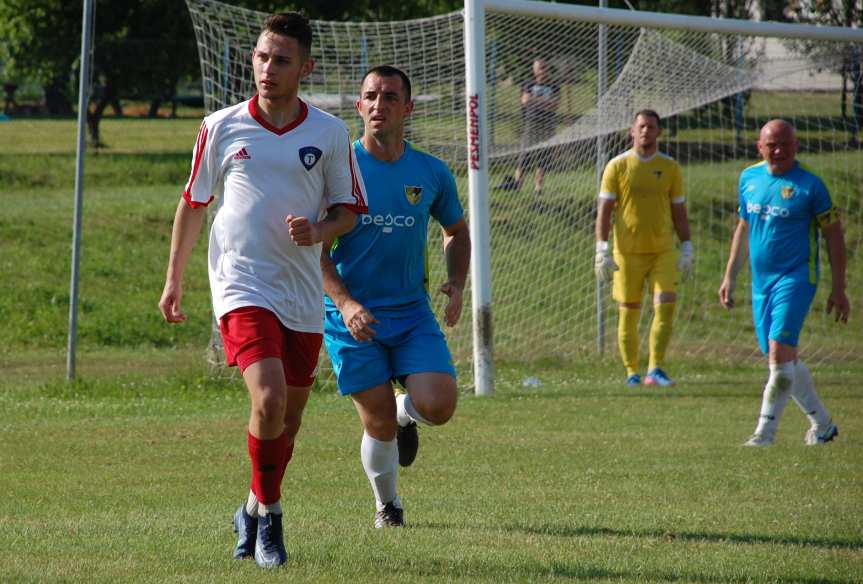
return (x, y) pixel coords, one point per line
(408, 146)
(786, 173)
(253, 110)
(647, 158)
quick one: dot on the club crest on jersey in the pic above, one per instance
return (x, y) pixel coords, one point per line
(658, 174)
(413, 194)
(787, 192)
(309, 156)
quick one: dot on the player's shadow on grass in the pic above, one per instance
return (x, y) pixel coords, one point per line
(493, 568)
(699, 536)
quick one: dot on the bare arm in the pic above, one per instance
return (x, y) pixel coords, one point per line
(187, 227)
(456, 246)
(838, 263)
(357, 318)
(680, 218)
(603, 219)
(339, 220)
(736, 258)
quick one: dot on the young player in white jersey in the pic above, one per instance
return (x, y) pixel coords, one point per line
(782, 206)
(287, 179)
(379, 325)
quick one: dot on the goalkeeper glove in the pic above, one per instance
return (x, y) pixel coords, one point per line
(604, 265)
(686, 261)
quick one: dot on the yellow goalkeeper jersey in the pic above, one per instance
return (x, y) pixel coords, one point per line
(644, 189)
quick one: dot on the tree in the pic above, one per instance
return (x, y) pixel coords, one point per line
(141, 49)
(42, 39)
(846, 13)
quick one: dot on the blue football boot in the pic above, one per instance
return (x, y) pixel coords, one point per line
(657, 376)
(246, 528)
(270, 545)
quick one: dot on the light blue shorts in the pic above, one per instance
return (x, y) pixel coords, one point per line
(779, 314)
(407, 341)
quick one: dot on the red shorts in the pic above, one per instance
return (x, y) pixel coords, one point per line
(252, 333)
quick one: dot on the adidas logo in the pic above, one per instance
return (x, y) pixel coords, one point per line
(242, 155)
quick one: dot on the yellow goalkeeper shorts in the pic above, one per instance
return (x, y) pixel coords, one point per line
(659, 270)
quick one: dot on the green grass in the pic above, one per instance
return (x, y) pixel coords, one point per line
(541, 254)
(131, 190)
(132, 472)
(133, 477)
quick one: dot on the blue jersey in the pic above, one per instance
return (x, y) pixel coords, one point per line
(782, 212)
(382, 260)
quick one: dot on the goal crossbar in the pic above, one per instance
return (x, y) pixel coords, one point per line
(638, 18)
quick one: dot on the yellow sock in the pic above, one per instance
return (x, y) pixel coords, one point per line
(627, 338)
(660, 333)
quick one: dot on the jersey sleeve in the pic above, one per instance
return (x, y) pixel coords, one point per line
(343, 183)
(609, 188)
(203, 180)
(447, 208)
(822, 205)
(676, 193)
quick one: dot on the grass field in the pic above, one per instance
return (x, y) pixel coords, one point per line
(133, 477)
(131, 474)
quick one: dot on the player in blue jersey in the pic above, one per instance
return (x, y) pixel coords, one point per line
(783, 205)
(379, 325)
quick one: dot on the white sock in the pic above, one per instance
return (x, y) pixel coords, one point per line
(274, 508)
(407, 413)
(252, 504)
(775, 398)
(380, 461)
(804, 394)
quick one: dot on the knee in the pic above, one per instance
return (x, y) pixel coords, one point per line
(381, 428)
(440, 414)
(269, 405)
(439, 408)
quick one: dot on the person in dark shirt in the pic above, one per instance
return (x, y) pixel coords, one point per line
(539, 100)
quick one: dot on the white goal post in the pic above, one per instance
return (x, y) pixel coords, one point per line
(713, 81)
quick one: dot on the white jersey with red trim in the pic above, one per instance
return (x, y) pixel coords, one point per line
(263, 174)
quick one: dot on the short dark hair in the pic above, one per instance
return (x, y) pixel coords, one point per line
(648, 113)
(390, 71)
(290, 24)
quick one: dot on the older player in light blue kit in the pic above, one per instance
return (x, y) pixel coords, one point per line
(783, 207)
(379, 325)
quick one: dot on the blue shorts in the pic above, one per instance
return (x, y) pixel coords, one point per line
(407, 341)
(779, 314)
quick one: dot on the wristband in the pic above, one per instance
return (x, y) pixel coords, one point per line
(601, 247)
(686, 247)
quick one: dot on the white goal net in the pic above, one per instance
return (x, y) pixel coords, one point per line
(713, 90)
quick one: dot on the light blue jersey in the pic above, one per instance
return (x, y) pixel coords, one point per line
(382, 260)
(782, 212)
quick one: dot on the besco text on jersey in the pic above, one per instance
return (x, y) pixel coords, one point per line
(767, 211)
(389, 220)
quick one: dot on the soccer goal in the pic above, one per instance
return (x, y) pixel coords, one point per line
(715, 82)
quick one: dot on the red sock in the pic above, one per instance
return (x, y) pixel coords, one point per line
(268, 463)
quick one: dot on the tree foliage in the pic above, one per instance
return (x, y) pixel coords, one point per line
(142, 48)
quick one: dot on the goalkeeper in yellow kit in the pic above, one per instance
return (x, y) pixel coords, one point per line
(646, 188)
